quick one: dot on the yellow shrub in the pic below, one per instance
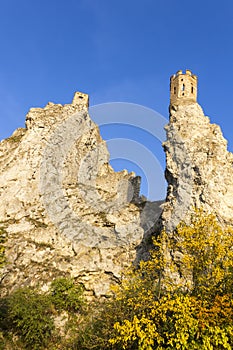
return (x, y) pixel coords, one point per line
(167, 315)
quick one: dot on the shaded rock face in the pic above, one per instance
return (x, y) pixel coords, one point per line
(199, 169)
(65, 210)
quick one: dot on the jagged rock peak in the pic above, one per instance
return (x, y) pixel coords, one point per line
(199, 168)
(64, 208)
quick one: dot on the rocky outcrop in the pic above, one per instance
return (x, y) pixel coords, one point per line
(66, 212)
(199, 169)
(64, 208)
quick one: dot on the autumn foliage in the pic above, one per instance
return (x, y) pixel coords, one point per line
(181, 298)
(184, 302)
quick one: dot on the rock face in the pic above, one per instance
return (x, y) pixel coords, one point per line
(199, 169)
(64, 208)
(66, 212)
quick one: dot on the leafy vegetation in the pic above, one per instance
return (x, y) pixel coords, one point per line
(66, 295)
(182, 298)
(30, 315)
(2, 247)
(172, 303)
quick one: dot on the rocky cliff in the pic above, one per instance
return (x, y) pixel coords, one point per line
(199, 169)
(63, 207)
(66, 212)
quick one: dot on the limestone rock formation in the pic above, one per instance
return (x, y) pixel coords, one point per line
(199, 168)
(66, 212)
(64, 208)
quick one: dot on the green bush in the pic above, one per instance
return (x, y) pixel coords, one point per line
(29, 315)
(98, 325)
(66, 295)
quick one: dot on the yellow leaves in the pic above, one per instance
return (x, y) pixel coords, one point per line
(218, 338)
(179, 322)
(207, 252)
(2, 247)
(142, 330)
(194, 314)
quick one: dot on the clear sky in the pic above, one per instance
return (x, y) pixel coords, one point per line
(122, 51)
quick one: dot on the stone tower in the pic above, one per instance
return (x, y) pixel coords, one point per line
(81, 99)
(183, 87)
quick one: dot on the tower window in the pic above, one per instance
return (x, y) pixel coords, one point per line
(174, 90)
(183, 87)
(192, 89)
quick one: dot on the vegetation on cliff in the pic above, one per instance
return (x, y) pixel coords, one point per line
(182, 298)
(30, 319)
(3, 236)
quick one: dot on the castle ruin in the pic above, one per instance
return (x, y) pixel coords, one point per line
(183, 87)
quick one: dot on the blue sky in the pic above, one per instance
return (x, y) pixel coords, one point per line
(115, 51)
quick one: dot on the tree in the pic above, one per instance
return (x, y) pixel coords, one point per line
(193, 314)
